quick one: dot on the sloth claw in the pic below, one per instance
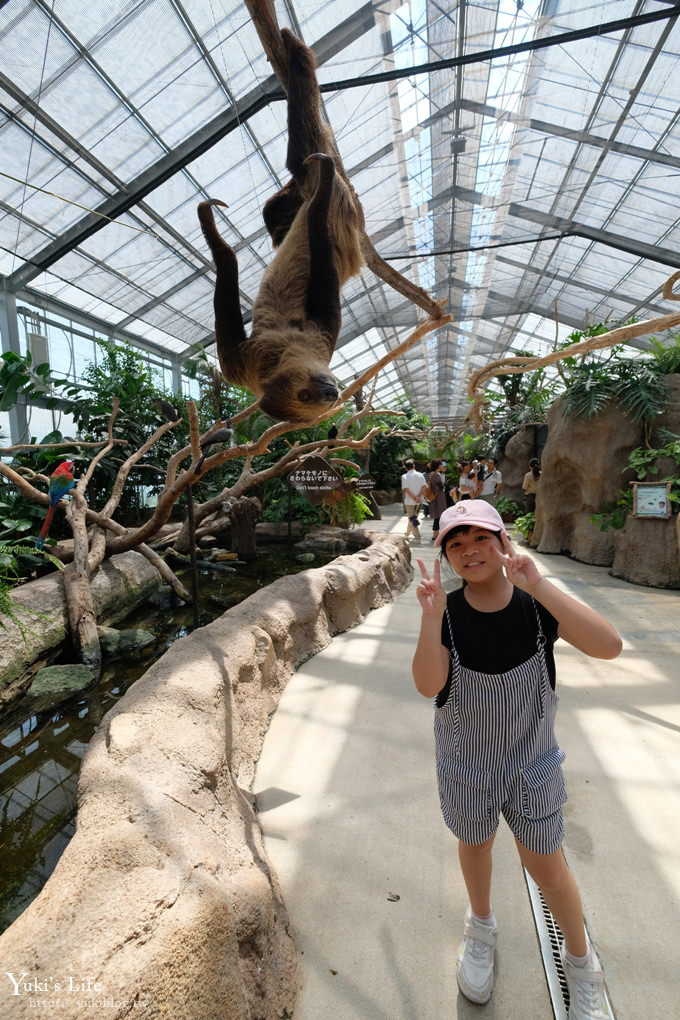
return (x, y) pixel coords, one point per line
(322, 157)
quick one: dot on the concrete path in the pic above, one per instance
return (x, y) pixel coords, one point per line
(348, 804)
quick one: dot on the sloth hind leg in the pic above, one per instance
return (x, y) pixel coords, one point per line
(323, 292)
(230, 333)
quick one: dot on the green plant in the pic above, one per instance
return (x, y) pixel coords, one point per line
(636, 384)
(388, 452)
(353, 508)
(525, 524)
(507, 506)
(12, 559)
(282, 502)
(18, 375)
(666, 356)
(614, 514)
(642, 460)
(525, 396)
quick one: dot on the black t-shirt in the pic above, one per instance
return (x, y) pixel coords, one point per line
(496, 642)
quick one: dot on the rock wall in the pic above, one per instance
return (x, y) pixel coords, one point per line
(164, 897)
(514, 464)
(121, 583)
(647, 551)
(582, 467)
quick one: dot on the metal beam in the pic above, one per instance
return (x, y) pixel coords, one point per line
(45, 303)
(567, 227)
(481, 56)
(545, 127)
(172, 162)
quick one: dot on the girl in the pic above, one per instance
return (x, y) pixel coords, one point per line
(485, 654)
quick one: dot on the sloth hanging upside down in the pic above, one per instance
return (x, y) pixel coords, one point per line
(315, 224)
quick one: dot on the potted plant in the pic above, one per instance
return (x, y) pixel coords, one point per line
(507, 508)
(525, 524)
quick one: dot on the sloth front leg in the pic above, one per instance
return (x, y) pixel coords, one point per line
(306, 133)
(323, 289)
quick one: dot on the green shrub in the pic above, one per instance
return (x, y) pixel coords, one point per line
(507, 506)
(525, 524)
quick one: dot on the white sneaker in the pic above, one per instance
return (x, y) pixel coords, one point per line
(587, 1000)
(474, 969)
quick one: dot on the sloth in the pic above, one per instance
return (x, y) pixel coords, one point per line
(315, 222)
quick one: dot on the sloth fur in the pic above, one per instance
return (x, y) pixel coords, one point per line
(315, 223)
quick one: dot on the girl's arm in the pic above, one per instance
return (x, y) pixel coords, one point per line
(431, 659)
(578, 624)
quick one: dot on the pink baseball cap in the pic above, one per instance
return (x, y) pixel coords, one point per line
(473, 512)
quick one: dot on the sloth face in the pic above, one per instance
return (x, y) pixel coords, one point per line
(299, 395)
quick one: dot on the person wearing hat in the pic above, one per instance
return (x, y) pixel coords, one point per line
(485, 653)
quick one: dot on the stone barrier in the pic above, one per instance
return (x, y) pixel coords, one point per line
(163, 903)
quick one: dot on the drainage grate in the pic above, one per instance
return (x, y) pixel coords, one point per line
(550, 938)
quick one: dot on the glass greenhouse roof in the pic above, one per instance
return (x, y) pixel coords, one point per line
(517, 159)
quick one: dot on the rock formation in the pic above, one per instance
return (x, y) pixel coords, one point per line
(163, 900)
(514, 464)
(582, 468)
(121, 583)
(647, 551)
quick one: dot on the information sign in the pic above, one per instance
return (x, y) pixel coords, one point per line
(365, 482)
(314, 478)
(650, 499)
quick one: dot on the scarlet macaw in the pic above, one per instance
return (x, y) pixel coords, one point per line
(61, 482)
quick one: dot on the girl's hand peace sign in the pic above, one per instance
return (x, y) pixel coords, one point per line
(431, 595)
(520, 570)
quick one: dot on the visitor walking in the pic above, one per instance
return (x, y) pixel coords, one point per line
(493, 480)
(485, 653)
(412, 485)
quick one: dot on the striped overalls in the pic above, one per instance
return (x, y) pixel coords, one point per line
(496, 753)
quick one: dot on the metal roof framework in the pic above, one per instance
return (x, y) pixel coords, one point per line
(513, 158)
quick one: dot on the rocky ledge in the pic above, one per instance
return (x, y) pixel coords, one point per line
(163, 903)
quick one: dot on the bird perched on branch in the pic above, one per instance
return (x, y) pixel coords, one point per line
(166, 409)
(223, 435)
(61, 482)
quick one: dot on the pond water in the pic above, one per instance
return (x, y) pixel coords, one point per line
(41, 751)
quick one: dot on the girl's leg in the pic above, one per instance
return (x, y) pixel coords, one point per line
(556, 882)
(476, 865)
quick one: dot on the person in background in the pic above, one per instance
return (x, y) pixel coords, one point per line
(467, 483)
(426, 505)
(530, 485)
(491, 486)
(412, 485)
(437, 482)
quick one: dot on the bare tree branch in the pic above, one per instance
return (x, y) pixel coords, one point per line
(4, 451)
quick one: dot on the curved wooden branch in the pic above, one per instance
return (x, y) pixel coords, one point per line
(516, 365)
(421, 330)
